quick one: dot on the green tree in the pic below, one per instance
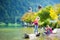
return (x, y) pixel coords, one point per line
(44, 13)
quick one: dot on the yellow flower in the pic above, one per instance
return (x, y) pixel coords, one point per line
(52, 11)
(53, 14)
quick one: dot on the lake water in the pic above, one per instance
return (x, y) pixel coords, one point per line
(16, 33)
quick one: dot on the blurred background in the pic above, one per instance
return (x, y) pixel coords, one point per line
(11, 11)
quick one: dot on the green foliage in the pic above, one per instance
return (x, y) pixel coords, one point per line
(44, 14)
(54, 25)
(46, 22)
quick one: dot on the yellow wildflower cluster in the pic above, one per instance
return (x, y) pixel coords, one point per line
(53, 14)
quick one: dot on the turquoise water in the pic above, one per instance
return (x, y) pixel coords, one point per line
(11, 34)
(16, 33)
